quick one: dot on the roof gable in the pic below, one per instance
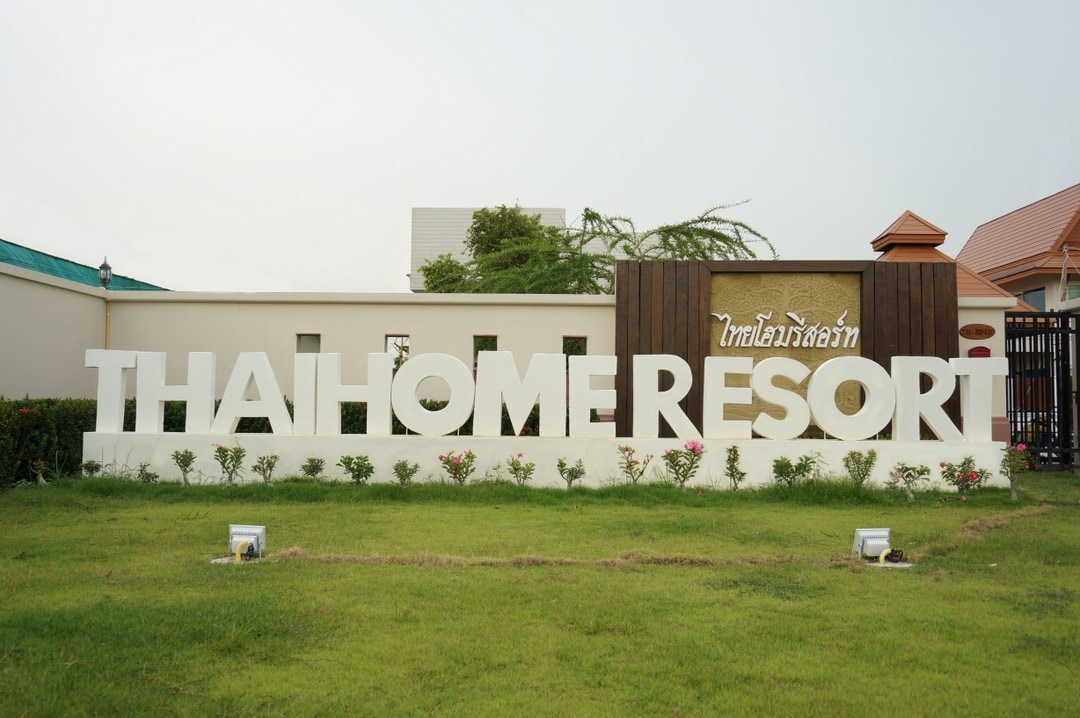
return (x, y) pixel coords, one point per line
(1034, 232)
(909, 228)
(912, 239)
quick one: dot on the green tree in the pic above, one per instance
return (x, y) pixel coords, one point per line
(445, 274)
(492, 228)
(509, 251)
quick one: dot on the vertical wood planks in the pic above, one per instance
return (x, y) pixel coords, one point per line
(907, 308)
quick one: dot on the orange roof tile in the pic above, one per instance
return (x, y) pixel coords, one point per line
(906, 245)
(909, 228)
(1032, 232)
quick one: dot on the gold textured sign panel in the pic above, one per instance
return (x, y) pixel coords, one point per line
(809, 317)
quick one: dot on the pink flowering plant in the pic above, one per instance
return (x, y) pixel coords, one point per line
(1016, 461)
(520, 470)
(965, 476)
(458, 467)
(633, 469)
(907, 476)
(683, 463)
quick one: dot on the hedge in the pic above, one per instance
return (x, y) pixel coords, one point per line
(47, 433)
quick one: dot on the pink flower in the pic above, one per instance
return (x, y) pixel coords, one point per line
(457, 461)
(670, 451)
(695, 446)
(442, 458)
(942, 464)
(519, 455)
(971, 476)
(1021, 447)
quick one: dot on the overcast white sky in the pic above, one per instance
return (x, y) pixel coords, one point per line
(279, 146)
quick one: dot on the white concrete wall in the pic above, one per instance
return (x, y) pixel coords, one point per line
(989, 311)
(46, 324)
(353, 325)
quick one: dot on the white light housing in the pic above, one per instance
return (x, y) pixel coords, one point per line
(254, 535)
(870, 542)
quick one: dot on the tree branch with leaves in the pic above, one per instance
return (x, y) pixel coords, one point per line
(509, 251)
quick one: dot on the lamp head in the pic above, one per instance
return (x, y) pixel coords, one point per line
(105, 273)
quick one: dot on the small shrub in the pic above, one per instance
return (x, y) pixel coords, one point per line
(231, 461)
(731, 467)
(907, 476)
(313, 467)
(964, 476)
(570, 474)
(790, 474)
(521, 472)
(358, 468)
(859, 465)
(39, 467)
(184, 460)
(264, 466)
(633, 469)
(90, 468)
(458, 467)
(683, 463)
(1015, 462)
(144, 475)
(404, 471)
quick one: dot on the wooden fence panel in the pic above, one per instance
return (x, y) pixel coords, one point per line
(663, 308)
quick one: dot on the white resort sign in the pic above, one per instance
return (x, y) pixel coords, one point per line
(558, 387)
(562, 386)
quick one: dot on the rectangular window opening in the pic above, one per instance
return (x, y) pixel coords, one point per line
(308, 343)
(483, 343)
(397, 345)
(1035, 297)
(575, 346)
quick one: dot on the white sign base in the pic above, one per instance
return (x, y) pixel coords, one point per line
(127, 450)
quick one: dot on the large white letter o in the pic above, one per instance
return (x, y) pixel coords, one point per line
(457, 410)
(876, 411)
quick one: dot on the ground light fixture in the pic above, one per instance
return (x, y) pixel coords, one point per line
(875, 544)
(871, 543)
(245, 541)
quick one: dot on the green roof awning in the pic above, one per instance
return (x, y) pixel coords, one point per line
(19, 256)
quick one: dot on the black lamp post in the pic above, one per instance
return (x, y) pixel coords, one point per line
(105, 273)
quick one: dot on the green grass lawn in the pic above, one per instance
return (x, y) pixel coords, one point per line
(497, 600)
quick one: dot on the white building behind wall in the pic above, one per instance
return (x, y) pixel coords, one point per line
(442, 230)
